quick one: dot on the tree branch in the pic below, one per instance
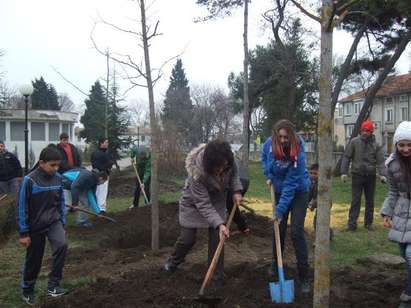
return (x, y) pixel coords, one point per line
(117, 27)
(69, 82)
(307, 13)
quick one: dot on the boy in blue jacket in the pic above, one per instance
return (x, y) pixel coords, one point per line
(41, 215)
(82, 183)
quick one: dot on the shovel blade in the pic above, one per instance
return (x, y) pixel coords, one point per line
(282, 292)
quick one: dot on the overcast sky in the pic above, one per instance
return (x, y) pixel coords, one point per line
(38, 35)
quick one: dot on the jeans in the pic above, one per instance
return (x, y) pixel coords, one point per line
(186, 241)
(137, 192)
(360, 183)
(238, 218)
(298, 211)
(405, 250)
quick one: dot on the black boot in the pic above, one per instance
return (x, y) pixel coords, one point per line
(304, 281)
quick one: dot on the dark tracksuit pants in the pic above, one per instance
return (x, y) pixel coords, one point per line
(360, 183)
(298, 211)
(186, 241)
(238, 218)
(137, 192)
(34, 256)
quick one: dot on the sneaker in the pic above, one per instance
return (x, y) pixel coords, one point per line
(246, 231)
(103, 213)
(131, 207)
(305, 287)
(369, 227)
(351, 229)
(28, 298)
(56, 291)
(405, 297)
(169, 267)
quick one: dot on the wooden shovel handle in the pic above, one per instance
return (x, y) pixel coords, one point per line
(3, 197)
(276, 230)
(213, 264)
(139, 182)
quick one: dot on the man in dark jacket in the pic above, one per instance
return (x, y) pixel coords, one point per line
(71, 157)
(10, 172)
(101, 160)
(365, 155)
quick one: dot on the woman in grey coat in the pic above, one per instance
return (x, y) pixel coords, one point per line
(211, 173)
(396, 210)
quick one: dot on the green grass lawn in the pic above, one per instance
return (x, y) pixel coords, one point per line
(345, 248)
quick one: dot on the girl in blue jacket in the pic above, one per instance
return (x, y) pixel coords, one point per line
(283, 161)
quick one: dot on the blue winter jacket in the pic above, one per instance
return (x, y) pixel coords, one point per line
(80, 180)
(40, 203)
(287, 177)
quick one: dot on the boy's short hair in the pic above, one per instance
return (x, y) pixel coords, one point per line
(101, 140)
(50, 153)
(100, 174)
(64, 136)
(314, 166)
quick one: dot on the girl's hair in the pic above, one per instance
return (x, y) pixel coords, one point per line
(405, 164)
(49, 153)
(216, 154)
(292, 150)
(101, 140)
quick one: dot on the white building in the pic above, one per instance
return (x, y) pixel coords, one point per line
(140, 136)
(45, 126)
(391, 107)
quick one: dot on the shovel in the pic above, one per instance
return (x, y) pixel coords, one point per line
(76, 208)
(282, 291)
(141, 184)
(213, 301)
(3, 197)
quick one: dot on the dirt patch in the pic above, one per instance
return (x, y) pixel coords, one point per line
(128, 274)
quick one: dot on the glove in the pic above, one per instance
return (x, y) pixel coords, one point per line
(383, 179)
(343, 178)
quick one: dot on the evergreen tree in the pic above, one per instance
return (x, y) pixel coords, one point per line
(93, 118)
(44, 95)
(178, 108)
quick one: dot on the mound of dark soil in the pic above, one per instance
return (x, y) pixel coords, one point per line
(128, 274)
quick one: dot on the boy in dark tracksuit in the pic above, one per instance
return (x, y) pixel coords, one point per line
(143, 164)
(41, 214)
(312, 196)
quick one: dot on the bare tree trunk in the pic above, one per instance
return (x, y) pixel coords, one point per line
(246, 114)
(345, 67)
(322, 236)
(155, 227)
(107, 96)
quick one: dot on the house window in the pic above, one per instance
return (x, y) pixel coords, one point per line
(348, 109)
(404, 113)
(357, 108)
(403, 98)
(143, 138)
(3, 131)
(65, 128)
(389, 100)
(388, 115)
(340, 111)
(38, 131)
(54, 131)
(17, 131)
(348, 130)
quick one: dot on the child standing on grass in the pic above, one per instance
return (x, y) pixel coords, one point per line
(396, 210)
(41, 215)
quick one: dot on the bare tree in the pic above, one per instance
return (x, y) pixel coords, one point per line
(65, 102)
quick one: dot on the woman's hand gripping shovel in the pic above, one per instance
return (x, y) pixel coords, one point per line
(282, 291)
(140, 183)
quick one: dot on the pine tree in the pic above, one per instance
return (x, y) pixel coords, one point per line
(178, 108)
(93, 117)
(44, 95)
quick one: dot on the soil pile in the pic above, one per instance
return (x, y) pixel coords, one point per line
(128, 274)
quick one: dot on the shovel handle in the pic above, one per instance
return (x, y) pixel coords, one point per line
(276, 231)
(91, 213)
(139, 182)
(3, 197)
(213, 264)
(247, 207)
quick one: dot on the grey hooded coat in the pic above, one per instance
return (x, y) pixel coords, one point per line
(203, 200)
(397, 203)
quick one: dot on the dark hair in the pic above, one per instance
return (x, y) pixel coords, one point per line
(290, 152)
(314, 166)
(49, 153)
(101, 140)
(216, 154)
(405, 164)
(100, 174)
(64, 136)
